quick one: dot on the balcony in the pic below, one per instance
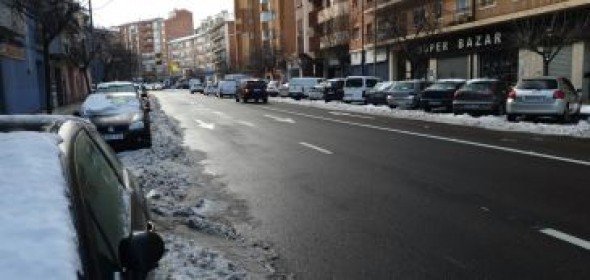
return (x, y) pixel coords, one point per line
(334, 39)
(333, 11)
(381, 4)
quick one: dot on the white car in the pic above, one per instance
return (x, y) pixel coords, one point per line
(195, 85)
(211, 89)
(273, 88)
(227, 88)
(356, 88)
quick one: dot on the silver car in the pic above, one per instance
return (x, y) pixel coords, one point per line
(544, 97)
(406, 94)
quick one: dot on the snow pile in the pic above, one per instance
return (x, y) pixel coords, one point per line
(38, 237)
(191, 212)
(581, 129)
(585, 110)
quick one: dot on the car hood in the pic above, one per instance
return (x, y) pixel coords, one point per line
(123, 118)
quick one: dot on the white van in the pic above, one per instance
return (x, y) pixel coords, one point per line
(300, 87)
(227, 88)
(195, 85)
(355, 87)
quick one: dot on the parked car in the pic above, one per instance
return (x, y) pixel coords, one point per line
(252, 89)
(300, 87)
(273, 88)
(227, 88)
(544, 96)
(211, 89)
(334, 89)
(356, 88)
(120, 117)
(128, 87)
(73, 210)
(481, 96)
(440, 94)
(195, 85)
(378, 94)
(406, 94)
(284, 90)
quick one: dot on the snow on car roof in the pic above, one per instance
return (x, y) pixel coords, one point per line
(38, 236)
(110, 104)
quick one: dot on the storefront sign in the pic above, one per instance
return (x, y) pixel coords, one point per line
(463, 43)
(11, 51)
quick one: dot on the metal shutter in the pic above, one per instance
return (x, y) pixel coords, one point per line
(562, 63)
(453, 67)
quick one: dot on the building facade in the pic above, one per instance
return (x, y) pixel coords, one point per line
(307, 61)
(247, 33)
(334, 26)
(147, 39)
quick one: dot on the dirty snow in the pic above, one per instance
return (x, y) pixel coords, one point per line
(194, 212)
(581, 129)
(38, 236)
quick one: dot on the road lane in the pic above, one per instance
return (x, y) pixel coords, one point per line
(387, 205)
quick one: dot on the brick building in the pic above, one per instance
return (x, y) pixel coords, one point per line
(146, 38)
(179, 24)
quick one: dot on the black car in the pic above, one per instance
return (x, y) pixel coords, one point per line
(84, 216)
(481, 96)
(378, 94)
(440, 94)
(333, 89)
(252, 90)
(122, 118)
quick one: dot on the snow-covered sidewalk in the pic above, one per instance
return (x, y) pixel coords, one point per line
(580, 129)
(192, 212)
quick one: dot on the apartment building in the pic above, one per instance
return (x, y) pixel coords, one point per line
(334, 28)
(146, 38)
(247, 32)
(472, 38)
(308, 61)
(219, 29)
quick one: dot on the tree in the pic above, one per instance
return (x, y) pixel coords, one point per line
(82, 49)
(52, 17)
(547, 35)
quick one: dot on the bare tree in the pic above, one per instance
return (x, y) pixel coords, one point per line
(52, 17)
(81, 49)
(547, 35)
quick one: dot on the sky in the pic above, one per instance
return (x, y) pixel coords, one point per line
(109, 13)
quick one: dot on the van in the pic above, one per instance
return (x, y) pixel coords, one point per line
(356, 88)
(300, 87)
(196, 85)
(227, 88)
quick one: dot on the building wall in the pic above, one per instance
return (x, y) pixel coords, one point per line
(179, 24)
(247, 29)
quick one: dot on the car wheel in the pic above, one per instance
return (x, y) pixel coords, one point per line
(566, 116)
(457, 112)
(501, 110)
(511, 117)
(244, 100)
(238, 99)
(265, 100)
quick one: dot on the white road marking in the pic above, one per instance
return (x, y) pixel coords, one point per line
(205, 125)
(336, 113)
(246, 123)
(442, 138)
(314, 147)
(285, 120)
(566, 237)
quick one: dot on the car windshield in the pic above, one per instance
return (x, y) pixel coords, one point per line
(337, 84)
(444, 85)
(478, 86)
(537, 84)
(404, 86)
(115, 88)
(110, 104)
(382, 86)
(354, 83)
(255, 84)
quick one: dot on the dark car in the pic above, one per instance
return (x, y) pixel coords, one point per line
(440, 94)
(481, 96)
(406, 94)
(252, 90)
(121, 118)
(82, 215)
(333, 89)
(378, 94)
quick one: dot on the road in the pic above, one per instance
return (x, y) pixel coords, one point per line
(350, 196)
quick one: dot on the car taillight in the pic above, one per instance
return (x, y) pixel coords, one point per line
(512, 95)
(558, 94)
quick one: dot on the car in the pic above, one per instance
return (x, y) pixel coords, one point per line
(356, 88)
(128, 87)
(333, 89)
(544, 97)
(378, 94)
(284, 90)
(481, 96)
(440, 94)
(273, 88)
(299, 87)
(120, 117)
(211, 89)
(227, 88)
(406, 94)
(195, 85)
(82, 216)
(252, 89)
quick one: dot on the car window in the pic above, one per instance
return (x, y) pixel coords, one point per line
(537, 84)
(478, 86)
(354, 83)
(404, 86)
(106, 200)
(371, 82)
(115, 88)
(255, 84)
(444, 85)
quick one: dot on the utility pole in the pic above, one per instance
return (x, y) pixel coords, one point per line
(363, 37)
(375, 38)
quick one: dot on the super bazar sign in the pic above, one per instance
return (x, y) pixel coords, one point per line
(462, 43)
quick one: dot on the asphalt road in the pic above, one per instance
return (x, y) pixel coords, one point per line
(349, 196)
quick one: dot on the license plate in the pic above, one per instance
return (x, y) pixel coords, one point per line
(113, 136)
(533, 98)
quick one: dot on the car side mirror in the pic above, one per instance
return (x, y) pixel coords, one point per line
(141, 252)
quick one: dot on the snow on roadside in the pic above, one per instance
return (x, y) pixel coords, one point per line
(585, 110)
(581, 129)
(201, 243)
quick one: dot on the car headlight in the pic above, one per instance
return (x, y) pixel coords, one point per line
(137, 125)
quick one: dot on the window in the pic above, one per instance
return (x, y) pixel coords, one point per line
(354, 83)
(371, 83)
(419, 16)
(487, 3)
(106, 201)
(463, 6)
(537, 84)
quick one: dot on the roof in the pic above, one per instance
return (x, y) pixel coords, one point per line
(38, 235)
